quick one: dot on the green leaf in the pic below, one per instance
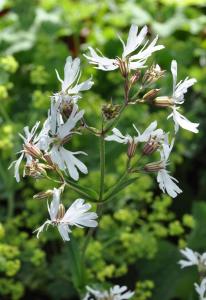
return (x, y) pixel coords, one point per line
(76, 265)
(170, 281)
(85, 192)
(118, 188)
(197, 238)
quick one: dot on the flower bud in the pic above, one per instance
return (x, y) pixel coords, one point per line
(135, 77)
(110, 111)
(61, 212)
(150, 147)
(43, 195)
(163, 101)
(153, 167)
(131, 149)
(152, 75)
(32, 150)
(151, 94)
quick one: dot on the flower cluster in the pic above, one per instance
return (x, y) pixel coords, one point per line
(46, 150)
(196, 259)
(49, 150)
(154, 139)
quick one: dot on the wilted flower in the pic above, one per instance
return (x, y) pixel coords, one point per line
(70, 85)
(128, 61)
(29, 149)
(115, 293)
(77, 214)
(178, 98)
(201, 289)
(152, 74)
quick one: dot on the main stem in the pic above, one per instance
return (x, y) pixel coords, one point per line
(102, 166)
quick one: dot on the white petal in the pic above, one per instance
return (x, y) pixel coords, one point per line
(16, 164)
(147, 51)
(118, 137)
(57, 158)
(144, 137)
(69, 164)
(64, 231)
(102, 63)
(84, 86)
(71, 72)
(167, 184)
(181, 89)
(201, 289)
(54, 206)
(41, 228)
(77, 214)
(174, 73)
(65, 129)
(134, 39)
(183, 122)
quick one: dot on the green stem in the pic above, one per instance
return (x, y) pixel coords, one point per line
(110, 191)
(102, 167)
(121, 179)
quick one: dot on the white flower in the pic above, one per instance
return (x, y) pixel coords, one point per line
(67, 161)
(201, 289)
(167, 182)
(29, 139)
(64, 158)
(178, 98)
(135, 61)
(118, 137)
(76, 215)
(182, 121)
(115, 293)
(70, 84)
(43, 137)
(193, 258)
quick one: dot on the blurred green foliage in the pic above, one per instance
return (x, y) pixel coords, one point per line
(141, 230)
